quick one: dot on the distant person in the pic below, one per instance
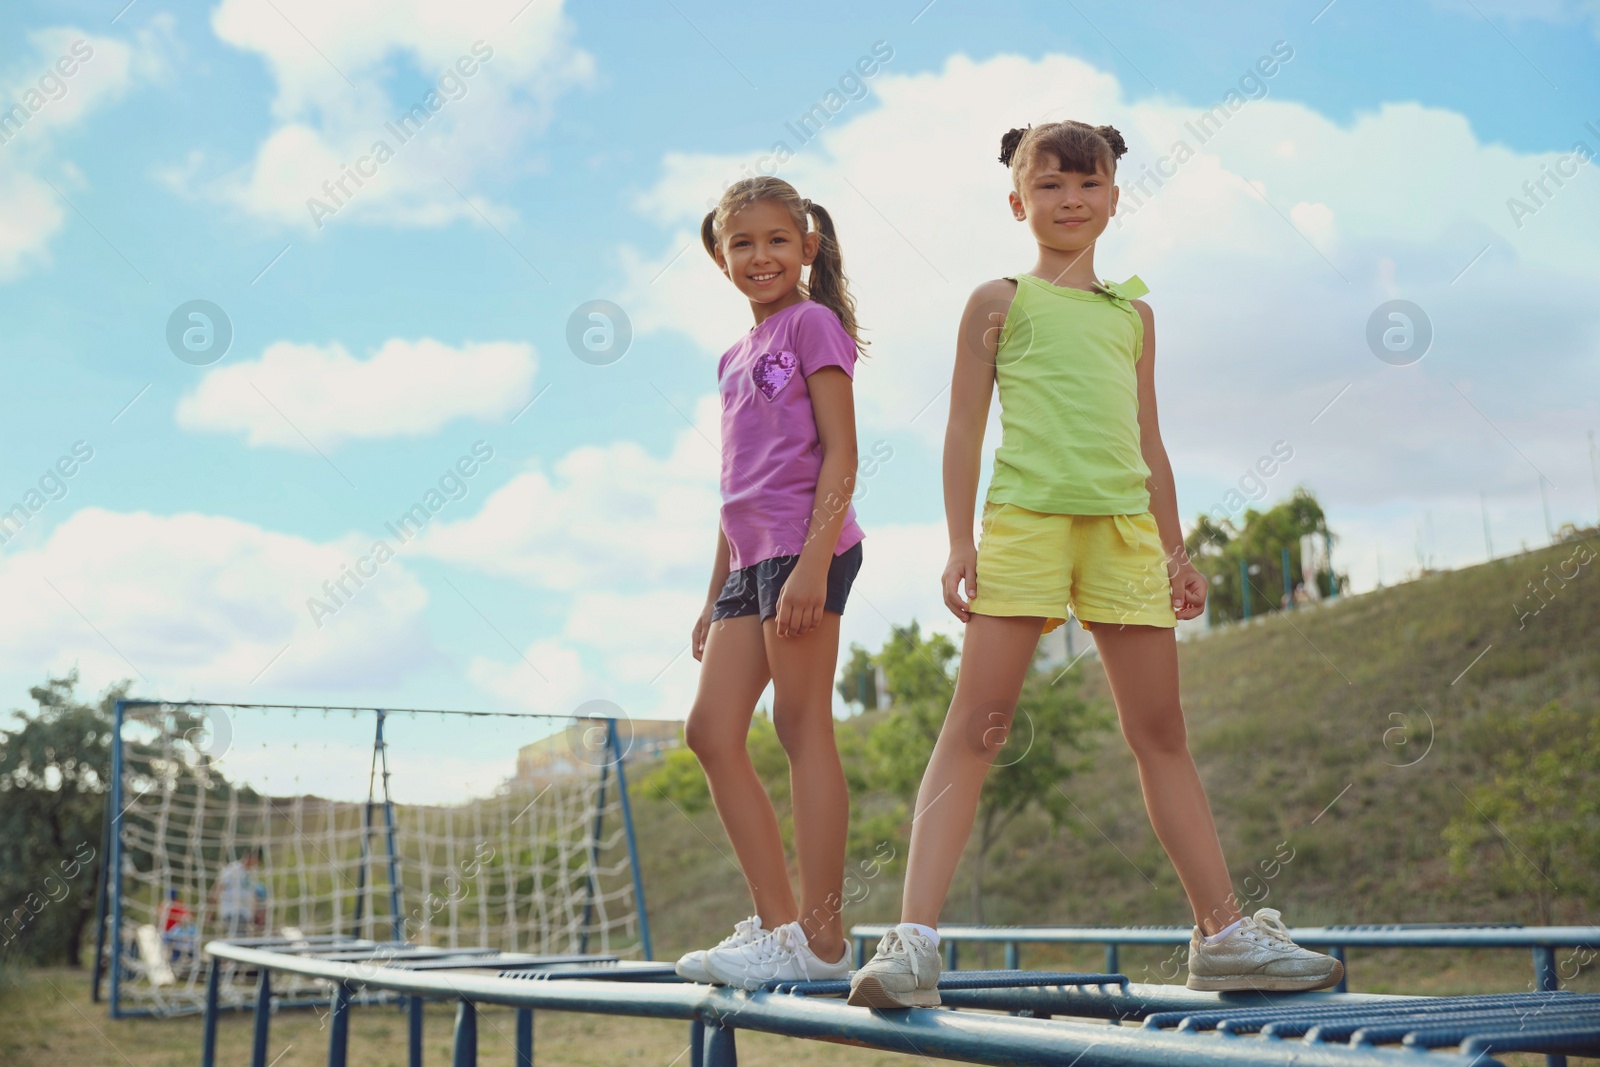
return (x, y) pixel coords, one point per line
(788, 549)
(177, 928)
(1081, 512)
(239, 897)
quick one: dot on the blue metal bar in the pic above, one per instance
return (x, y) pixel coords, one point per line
(1288, 583)
(1244, 588)
(633, 846)
(258, 1051)
(114, 862)
(208, 1037)
(697, 1043)
(594, 859)
(971, 1036)
(720, 1047)
(388, 819)
(466, 1046)
(414, 1032)
(1545, 975)
(1113, 966)
(339, 1025)
(1343, 985)
(951, 960)
(1013, 957)
(861, 951)
(524, 1037)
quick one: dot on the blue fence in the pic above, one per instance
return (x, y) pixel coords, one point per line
(1181, 1026)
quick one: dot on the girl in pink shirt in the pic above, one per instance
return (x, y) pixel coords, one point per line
(788, 549)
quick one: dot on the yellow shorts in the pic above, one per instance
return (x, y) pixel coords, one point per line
(1108, 568)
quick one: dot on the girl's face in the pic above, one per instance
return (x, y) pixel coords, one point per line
(762, 251)
(1066, 210)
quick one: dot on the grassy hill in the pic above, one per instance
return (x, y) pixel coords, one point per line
(1348, 733)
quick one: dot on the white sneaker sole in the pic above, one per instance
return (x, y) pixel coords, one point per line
(868, 992)
(1264, 983)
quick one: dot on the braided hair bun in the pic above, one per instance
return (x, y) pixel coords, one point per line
(1112, 138)
(1076, 146)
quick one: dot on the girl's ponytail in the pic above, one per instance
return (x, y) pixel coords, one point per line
(708, 234)
(828, 285)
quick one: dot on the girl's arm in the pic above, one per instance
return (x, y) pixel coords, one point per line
(1188, 586)
(971, 389)
(800, 603)
(719, 578)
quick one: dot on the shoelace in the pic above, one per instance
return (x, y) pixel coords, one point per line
(744, 932)
(897, 946)
(773, 946)
(1269, 922)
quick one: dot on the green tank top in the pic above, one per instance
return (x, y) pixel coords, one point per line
(1069, 401)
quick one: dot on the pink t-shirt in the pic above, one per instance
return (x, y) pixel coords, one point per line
(771, 456)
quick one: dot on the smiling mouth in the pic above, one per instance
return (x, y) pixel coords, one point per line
(762, 279)
(1073, 222)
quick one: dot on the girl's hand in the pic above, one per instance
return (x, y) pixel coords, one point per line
(801, 599)
(702, 628)
(1188, 592)
(963, 566)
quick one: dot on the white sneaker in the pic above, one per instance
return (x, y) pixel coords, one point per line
(780, 956)
(1259, 955)
(692, 965)
(903, 974)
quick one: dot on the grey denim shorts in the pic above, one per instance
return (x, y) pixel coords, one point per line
(754, 589)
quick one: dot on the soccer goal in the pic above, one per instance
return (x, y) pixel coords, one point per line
(443, 828)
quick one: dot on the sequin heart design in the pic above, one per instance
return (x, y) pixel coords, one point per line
(772, 372)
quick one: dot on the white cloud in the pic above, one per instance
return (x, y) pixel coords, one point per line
(612, 515)
(407, 388)
(203, 605)
(1266, 253)
(39, 100)
(521, 58)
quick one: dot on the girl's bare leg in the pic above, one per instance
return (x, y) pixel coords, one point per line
(995, 655)
(1141, 663)
(802, 712)
(733, 672)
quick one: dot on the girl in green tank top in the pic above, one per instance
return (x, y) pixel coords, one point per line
(1081, 496)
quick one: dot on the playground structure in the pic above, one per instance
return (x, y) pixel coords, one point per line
(1180, 1026)
(228, 819)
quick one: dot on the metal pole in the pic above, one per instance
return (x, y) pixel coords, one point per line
(951, 957)
(1111, 959)
(388, 821)
(697, 1043)
(208, 1036)
(466, 1049)
(524, 1037)
(258, 1051)
(861, 952)
(1337, 952)
(1333, 582)
(339, 1025)
(114, 862)
(1244, 589)
(594, 859)
(721, 1050)
(1013, 957)
(414, 1032)
(633, 847)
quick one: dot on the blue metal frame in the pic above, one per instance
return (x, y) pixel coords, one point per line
(388, 819)
(1174, 1033)
(633, 845)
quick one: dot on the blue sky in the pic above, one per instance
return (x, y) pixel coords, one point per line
(372, 352)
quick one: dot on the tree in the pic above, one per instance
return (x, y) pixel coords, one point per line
(1217, 547)
(1043, 746)
(1535, 826)
(54, 771)
(858, 679)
